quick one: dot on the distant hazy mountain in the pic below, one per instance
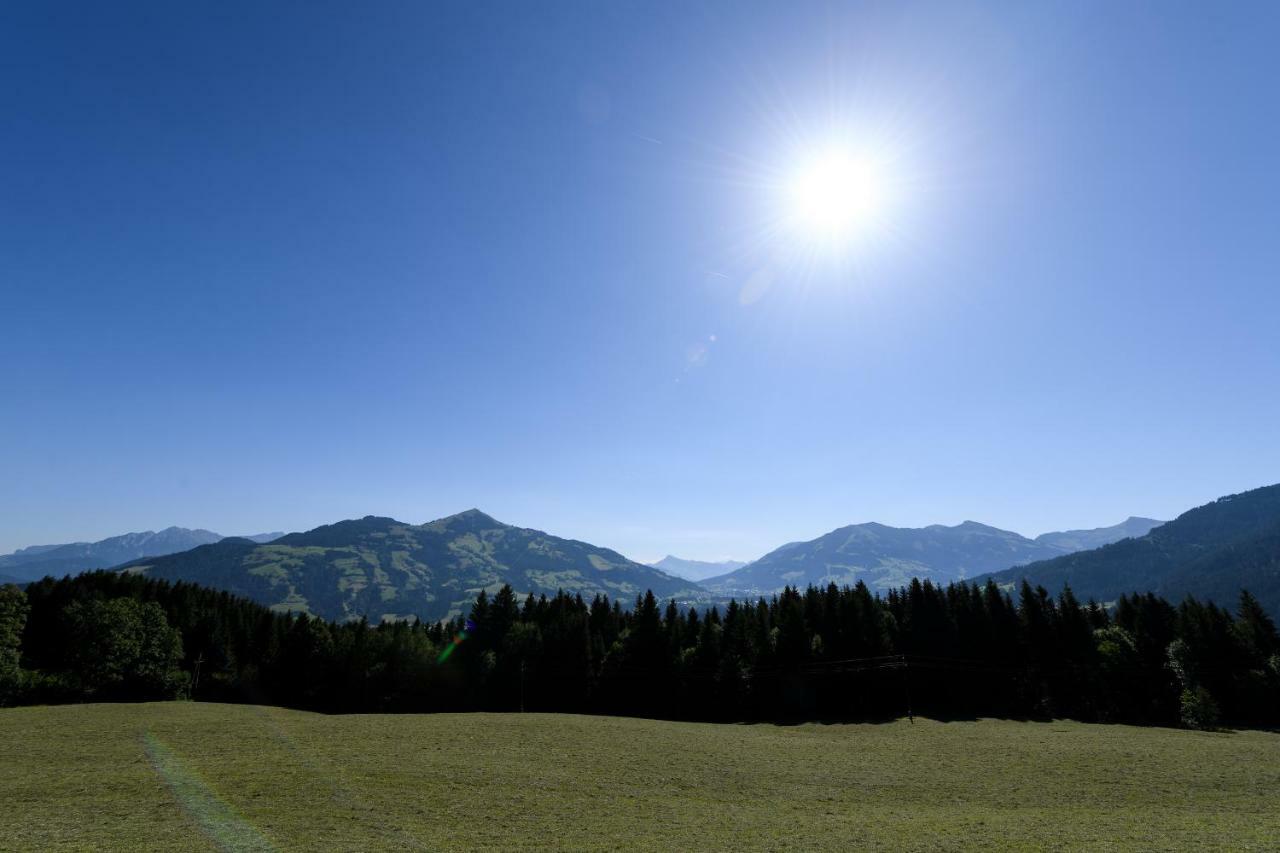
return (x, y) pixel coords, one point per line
(1211, 552)
(885, 557)
(696, 570)
(264, 538)
(1083, 540)
(383, 568)
(27, 564)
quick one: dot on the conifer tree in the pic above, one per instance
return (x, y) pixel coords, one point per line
(1257, 631)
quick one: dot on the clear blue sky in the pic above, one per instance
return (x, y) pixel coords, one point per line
(266, 266)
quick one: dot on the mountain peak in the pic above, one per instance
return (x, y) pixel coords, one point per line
(469, 520)
(696, 570)
(385, 569)
(473, 516)
(72, 558)
(1084, 540)
(972, 526)
(887, 557)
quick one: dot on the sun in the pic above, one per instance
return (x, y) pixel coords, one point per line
(837, 197)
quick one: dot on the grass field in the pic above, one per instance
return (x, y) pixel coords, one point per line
(180, 776)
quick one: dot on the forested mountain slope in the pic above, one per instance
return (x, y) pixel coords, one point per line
(1212, 552)
(383, 568)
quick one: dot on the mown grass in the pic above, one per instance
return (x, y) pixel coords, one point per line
(183, 776)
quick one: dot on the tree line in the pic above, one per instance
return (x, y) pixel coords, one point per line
(839, 653)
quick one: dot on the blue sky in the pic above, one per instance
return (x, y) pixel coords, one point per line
(266, 266)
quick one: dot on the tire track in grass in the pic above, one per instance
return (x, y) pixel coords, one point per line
(339, 792)
(216, 817)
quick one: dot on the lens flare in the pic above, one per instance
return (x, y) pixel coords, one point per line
(467, 630)
(216, 817)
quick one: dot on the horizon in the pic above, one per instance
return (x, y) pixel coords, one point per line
(643, 561)
(698, 289)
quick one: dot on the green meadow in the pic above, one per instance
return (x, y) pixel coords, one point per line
(186, 776)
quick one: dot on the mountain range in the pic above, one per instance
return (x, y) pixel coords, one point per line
(696, 570)
(28, 564)
(1211, 552)
(886, 557)
(384, 568)
(387, 569)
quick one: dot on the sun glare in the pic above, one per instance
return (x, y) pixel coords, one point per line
(837, 197)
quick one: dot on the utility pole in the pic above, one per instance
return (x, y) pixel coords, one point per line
(906, 685)
(522, 685)
(195, 679)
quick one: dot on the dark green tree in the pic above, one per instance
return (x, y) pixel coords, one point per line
(13, 619)
(124, 647)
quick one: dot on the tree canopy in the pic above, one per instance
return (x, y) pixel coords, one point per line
(822, 652)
